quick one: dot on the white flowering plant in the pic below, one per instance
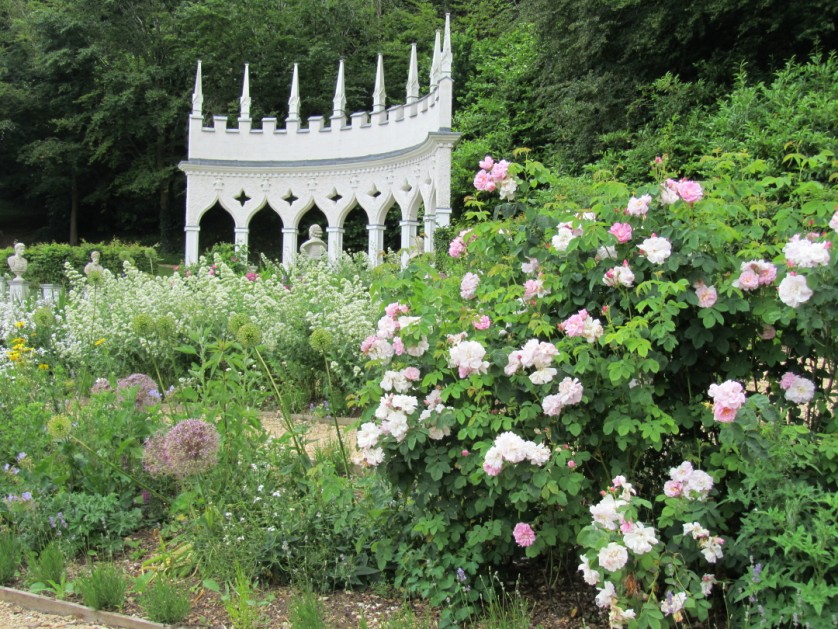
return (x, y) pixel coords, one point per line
(646, 573)
(601, 331)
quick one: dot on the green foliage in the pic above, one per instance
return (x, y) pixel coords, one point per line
(305, 611)
(10, 556)
(50, 565)
(104, 587)
(242, 607)
(785, 570)
(501, 609)
(165, 602)
(47, 261)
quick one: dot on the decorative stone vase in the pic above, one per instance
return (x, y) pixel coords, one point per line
(18, 289)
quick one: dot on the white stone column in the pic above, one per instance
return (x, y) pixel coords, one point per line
(289, 245)
(192, 233)
(409, 231)
(376, 243)
(335, 242)
(430, 227)
(241, 234)
(442, 213)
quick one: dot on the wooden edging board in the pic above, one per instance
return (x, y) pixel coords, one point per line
(38, 603)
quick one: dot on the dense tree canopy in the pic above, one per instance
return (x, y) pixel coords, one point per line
(94, 93)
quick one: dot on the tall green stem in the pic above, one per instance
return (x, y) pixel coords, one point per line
(335, 418)
(282, 409)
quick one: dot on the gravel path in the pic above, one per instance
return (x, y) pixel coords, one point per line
(15, 617)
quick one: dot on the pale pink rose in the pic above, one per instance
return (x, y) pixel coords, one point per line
(621, 231)
(803, 253)
(535, 288)
(590, 575)
(411, 373)
(368, 435)
(468, 286)
(801, 391)
(640, 538)
(747, 280)
(571, 464)
(508, 187)
(682, 472)
(398, 346)
(833, 222)
(619, 276)
(396, 308)
(537, 453)
(787, 380)
(707, 582)
(512, 447)
(613, 557)
(706, 295)
(530, 266)
(500, 170)
(482, 323)
(467, 357)
(728, 398)
(672, 488)
(656, 249)
(639, 207)
(486, 163)
(562, 239)
(493, 462)
(523, 534)
(607, 595)
(768, 332)
(605, 512)
(669, 192)
(794, 290)
(689, 190)
(483, 181)
(673, 604)
(456, 248)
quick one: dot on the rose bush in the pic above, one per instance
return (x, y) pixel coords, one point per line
(628, 330)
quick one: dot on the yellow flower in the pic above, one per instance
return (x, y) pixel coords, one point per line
(43, 366)
(19, 324)
(13, 356)
(99, 342)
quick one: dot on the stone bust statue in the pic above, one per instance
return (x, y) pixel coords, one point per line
(93, 265)
(17, 263)
(314, 247)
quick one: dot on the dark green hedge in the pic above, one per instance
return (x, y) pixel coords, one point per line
(46, 261)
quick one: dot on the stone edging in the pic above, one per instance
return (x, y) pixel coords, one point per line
(46, 605)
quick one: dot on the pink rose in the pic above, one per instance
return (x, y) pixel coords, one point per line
(486, 163)
(499, 170)
(482, 323)
(484, 181)
(706, 295)
(468, 286)
(747, 280)
(571, 464)
(689, 190)
(523, 534)
(622, 231)
(768, 332)
(787, 380)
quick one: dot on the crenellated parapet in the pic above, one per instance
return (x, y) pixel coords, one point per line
(398, 154)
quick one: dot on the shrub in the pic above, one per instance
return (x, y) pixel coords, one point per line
(104, 587)
(50, 565)
(596, 331)
(10, 555)
(165, 602)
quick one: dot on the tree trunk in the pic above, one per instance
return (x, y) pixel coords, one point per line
(74, 211)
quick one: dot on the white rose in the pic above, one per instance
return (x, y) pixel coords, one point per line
(794, 290)
(613, 557)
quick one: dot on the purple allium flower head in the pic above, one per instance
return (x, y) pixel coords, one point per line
(155, 459)
(100, 386)
(191, 447)
(146, 389)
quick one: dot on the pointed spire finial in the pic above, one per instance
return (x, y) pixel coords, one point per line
(198, 94)
(447, 56)
(436, 61)
(379, 96)
(245, 99)
(294, 100)
(339, 104)
(413, 77)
